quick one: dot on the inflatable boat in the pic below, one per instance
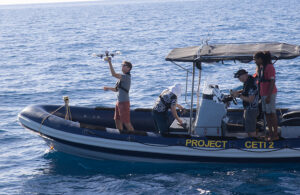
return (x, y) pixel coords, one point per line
(214, 132)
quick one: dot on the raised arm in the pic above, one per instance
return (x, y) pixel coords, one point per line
(112, 70)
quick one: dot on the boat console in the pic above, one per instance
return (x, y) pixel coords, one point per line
(215, 119)
(212, 110)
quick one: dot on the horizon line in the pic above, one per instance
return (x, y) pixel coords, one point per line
(28, 2)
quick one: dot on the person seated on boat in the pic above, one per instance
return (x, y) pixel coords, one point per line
(122, 109)
(249, 96)
(268, 90)
(167, 100)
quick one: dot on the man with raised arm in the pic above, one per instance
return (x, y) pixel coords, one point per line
(122, 109)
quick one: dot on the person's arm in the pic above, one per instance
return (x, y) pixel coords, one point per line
(236, 93)
(272, 84)
(179, 106)
(174, 113)
(110, 88)
(271, 72)
(112, 70)
(251, 95)
(249, 99)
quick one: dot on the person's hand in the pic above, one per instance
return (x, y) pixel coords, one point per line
(268, 99)
(105, 88)
(235, 93)
(107, 58)
(180, 122)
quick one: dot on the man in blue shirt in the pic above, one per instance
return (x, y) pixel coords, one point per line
(249, 96)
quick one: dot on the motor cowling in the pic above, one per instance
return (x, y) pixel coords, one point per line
(211, 111)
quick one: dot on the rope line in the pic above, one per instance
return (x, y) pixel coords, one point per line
(68, 115)
(49, 116)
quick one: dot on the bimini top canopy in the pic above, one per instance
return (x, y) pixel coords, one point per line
(242, 52)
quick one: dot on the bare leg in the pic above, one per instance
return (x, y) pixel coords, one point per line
(274, 125)
(269, 123)
(119, 124)
(129, 126)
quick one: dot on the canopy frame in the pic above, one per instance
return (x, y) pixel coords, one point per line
(242, 52)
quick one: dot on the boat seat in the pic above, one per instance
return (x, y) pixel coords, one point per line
(232, 127)
(101, 128)
(236, 127)
(103, 108)
(143, 110)
(177, 129)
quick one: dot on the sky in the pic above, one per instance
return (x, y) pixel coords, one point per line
(13, 2)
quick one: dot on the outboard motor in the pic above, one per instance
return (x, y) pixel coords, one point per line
(211, 112)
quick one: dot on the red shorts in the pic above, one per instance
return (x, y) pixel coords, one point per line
(122, 112)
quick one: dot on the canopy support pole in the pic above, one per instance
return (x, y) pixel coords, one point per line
(199, 82)
(186, 86)
(192, 98)
(180, 66)
(186, 82)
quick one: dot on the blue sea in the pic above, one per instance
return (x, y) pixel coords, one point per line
(46, 53)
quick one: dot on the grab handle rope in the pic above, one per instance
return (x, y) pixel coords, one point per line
(48, 116)
(68, 115)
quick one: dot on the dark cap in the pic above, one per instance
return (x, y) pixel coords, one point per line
(240, 73)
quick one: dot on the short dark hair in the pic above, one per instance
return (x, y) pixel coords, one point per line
(128, 64)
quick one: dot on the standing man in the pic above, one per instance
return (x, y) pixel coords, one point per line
(122, 109)
(250, 97)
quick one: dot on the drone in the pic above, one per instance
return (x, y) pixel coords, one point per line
(107, 54)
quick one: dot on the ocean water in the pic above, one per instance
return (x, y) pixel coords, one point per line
(46, 53)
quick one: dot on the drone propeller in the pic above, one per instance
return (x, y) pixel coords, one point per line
(107, 54)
